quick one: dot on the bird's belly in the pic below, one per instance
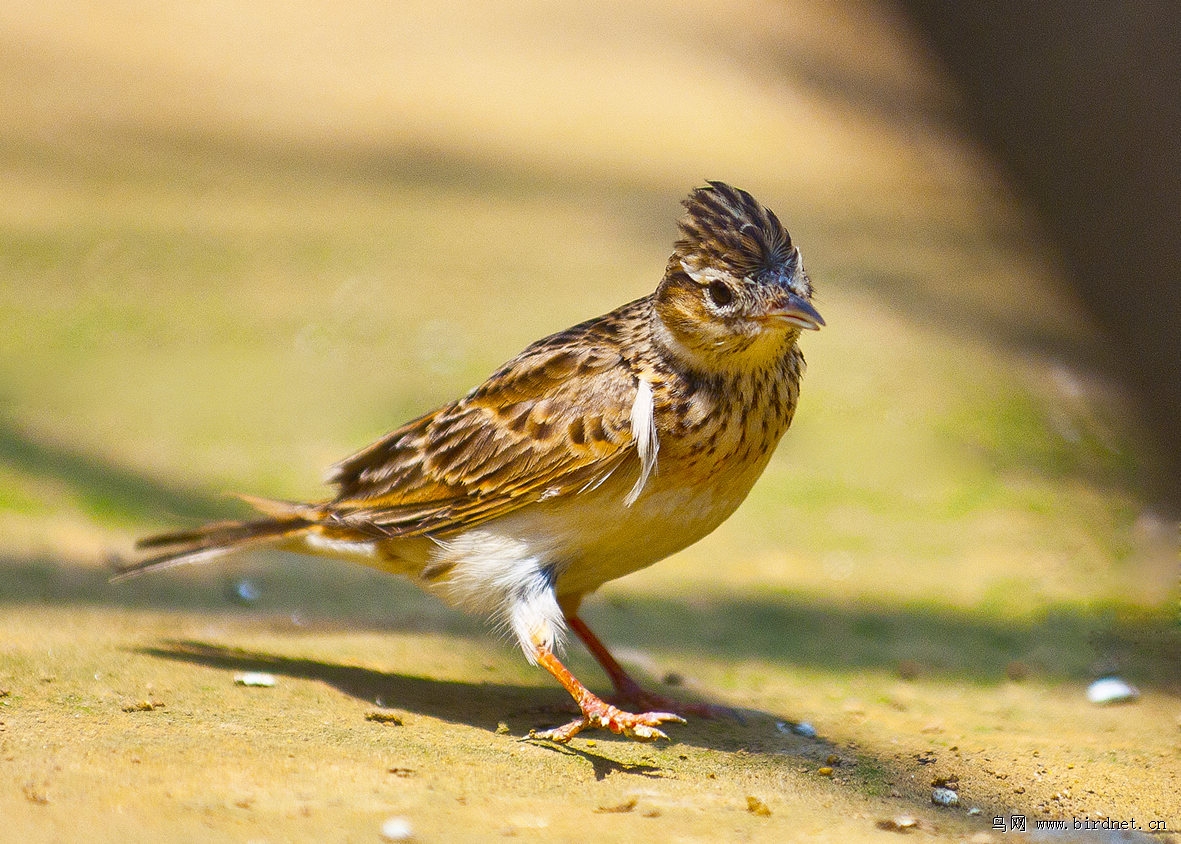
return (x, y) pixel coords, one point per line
(594, 537)
(579, 540)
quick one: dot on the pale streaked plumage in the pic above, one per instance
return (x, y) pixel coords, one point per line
(595, 452)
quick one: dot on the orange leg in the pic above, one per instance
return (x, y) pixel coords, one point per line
(596, 712)
(627, 689)
(625, 686)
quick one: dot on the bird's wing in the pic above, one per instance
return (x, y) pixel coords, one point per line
(554, 421)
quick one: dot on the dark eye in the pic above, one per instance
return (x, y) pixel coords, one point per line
(719, 293)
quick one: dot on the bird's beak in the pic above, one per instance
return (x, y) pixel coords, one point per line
(796, 310)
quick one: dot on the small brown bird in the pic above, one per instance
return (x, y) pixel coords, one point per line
(594, 453)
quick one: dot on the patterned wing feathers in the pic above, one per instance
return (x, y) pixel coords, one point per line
(556, 419)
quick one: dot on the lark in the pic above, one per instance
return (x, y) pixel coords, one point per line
(595, 452)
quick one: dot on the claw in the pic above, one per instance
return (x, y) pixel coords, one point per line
(642, 726)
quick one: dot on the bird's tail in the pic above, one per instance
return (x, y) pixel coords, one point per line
(208, 542)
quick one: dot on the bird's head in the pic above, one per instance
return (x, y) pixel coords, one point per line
(735, 290)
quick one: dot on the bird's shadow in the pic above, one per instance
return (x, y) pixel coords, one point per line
(489, 705)
(603, 766)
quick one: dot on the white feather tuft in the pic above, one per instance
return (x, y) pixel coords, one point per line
(504, 578)
(643, 419)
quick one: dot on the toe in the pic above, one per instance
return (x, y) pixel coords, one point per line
(644, 732)
(662, 718)
(642, 726)
(563, 734)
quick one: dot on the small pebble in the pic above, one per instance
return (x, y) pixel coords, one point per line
(255, 678)
(803, 728)
(757, 807)
(397, 829)
(380, 717)
(620, 809)
(246, 592)
(143, 706)
(944, 797)
(899, 823)
(1107, 690)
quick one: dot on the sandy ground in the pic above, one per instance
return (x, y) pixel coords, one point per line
(233, 247)
(122, 722)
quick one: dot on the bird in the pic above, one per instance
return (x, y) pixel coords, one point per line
(595, 452)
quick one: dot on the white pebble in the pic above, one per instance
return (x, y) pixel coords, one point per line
(803, 728)
(945, 797)
(1111, 690)
(397, 829)
(247, 592)
(255, 678)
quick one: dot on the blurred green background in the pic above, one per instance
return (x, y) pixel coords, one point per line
(237, 243)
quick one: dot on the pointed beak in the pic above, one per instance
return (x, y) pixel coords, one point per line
(798, 311)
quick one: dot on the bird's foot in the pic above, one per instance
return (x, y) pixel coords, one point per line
(597, 713)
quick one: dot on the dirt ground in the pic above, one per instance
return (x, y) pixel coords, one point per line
(236, 245)
(122, 720)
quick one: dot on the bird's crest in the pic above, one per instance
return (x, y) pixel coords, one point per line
(727, 228)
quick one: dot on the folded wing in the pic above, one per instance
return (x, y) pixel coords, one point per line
(554, 421)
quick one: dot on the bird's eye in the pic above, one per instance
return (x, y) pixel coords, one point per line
(719, 293)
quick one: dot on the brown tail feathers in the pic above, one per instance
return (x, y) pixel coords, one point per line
(210, 541)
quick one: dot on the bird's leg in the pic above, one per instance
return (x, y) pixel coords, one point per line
(627, 689)
(596, 712)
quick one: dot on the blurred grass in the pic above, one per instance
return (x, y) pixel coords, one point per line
(224, 269)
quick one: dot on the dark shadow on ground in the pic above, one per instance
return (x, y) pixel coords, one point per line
(485, 705)
(1061, 643)
(522, 708)
(973, 645)
(106, 490)
(482, 705)
(959, 646)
